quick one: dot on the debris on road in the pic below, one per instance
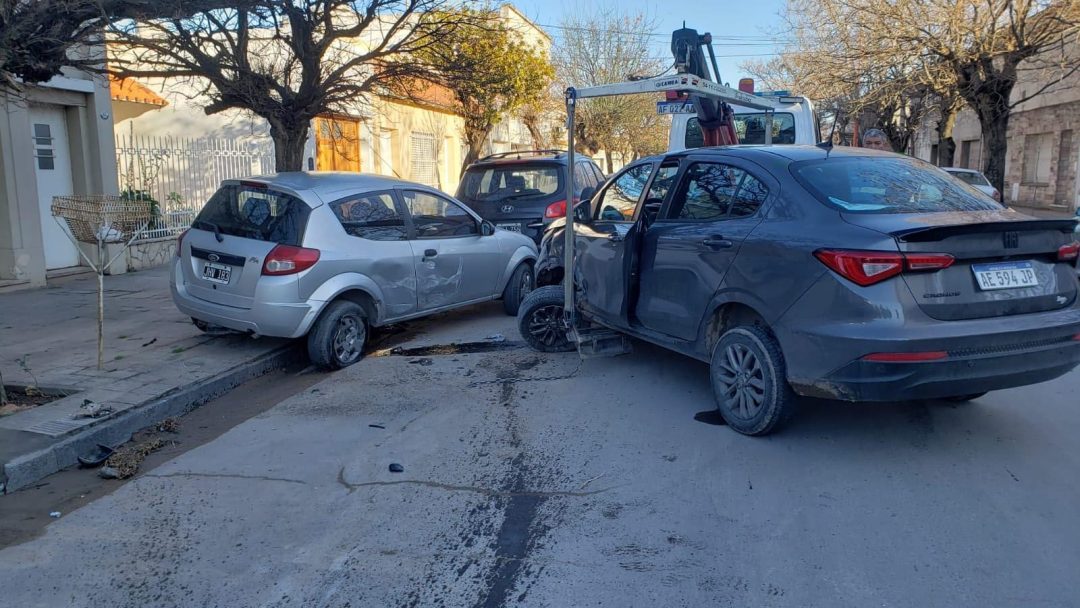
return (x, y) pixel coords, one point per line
(54, 514)
(96, 458)
(496, 338)
(377, 426)
(396, 468)
(149, 343)
(127, 459)
(169, 425)
(422, 361)
(108, 473)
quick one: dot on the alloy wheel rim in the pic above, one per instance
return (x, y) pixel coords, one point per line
(742, 381)
(349, 339)
(545, 324)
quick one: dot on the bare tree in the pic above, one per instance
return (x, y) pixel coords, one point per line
(286, 61)
(39, 37)
(600, 48)
(971, 50)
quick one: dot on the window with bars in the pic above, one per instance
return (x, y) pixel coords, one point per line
(424, 160)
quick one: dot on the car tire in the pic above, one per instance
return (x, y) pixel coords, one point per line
(965, 398)
(749, 381)
(540, 321)
(338, 337)
(518, 288)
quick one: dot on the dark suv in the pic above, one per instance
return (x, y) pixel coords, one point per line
(524, 191)
(848, 274)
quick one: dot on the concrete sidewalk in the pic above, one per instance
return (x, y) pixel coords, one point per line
(157, 364)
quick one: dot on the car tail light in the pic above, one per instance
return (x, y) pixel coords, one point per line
(286, 259)
(928, 261)
(1077, 337)
(997, 195)
(933, 355)
(868, 267)
(180, 241)
(1068, 253)
(556, 210)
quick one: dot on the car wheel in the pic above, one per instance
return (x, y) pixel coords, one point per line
(749, 381)
(518, 288)
(965, 398)
(338, 338)
(541, 321)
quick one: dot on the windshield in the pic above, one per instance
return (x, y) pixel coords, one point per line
(255, 213)
(887, 185)
(970, 177)
(510, 182)
(750, 128)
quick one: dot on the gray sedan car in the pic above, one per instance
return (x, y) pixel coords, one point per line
(849, 274)
(329, 255)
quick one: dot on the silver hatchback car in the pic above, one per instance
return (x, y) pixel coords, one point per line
(330, 255)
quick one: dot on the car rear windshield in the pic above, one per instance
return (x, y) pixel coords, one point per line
(750, 127)
(969, 177)
(255, 213)
(887, 185)
(511, 182)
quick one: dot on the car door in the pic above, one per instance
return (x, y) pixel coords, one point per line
(454, 263)
(689, 248)
(607, 245)
(377, 246)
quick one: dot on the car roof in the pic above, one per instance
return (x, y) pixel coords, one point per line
(328, 182)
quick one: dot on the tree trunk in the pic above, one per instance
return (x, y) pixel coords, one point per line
(946, 143)
(995, 127)
(289, 141)
(607, 158)
(539, 142)
(475, 143)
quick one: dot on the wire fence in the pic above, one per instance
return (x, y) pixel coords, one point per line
(179, 175)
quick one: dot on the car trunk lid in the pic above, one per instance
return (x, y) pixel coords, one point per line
(224, 252)
(1005, 262)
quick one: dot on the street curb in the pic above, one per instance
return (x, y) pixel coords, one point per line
(29, 468)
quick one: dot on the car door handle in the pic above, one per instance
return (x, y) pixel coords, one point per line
(718, 242)
(614, 237)
(428, 254)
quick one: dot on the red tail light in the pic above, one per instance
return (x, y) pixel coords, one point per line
(868, 267)
(180, 241)
(934, 355)
(1068, 253)
(556, 210)
(997, 195)
(286, 259)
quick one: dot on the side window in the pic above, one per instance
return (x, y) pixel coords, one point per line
(665, 178)
(619, 199)
(599, 174)
(694, 138)
(436, 217)
(749, 198)
(581, 179)
(706, 192)
(371, 216)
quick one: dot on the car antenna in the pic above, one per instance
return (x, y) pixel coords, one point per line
(827, 145)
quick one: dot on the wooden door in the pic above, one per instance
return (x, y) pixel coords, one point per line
(337, 144)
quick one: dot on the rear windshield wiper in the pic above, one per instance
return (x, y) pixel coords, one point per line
(215, 228)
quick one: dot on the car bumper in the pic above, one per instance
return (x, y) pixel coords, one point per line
(962, 372)
(276, 319)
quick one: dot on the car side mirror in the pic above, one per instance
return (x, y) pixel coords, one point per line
(486, 228)
(583, 212)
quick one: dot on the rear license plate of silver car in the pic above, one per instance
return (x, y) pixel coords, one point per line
(510, 227)
(217, 273)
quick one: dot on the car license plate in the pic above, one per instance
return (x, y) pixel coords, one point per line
(218, 273)
(510, 227)
(1005, 275)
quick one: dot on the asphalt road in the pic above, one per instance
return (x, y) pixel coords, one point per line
(542, 480)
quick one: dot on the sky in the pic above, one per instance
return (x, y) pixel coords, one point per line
(742, 30)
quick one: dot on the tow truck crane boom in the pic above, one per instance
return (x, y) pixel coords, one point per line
(710, 100)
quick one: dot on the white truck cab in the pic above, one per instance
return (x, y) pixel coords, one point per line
(794, 121)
